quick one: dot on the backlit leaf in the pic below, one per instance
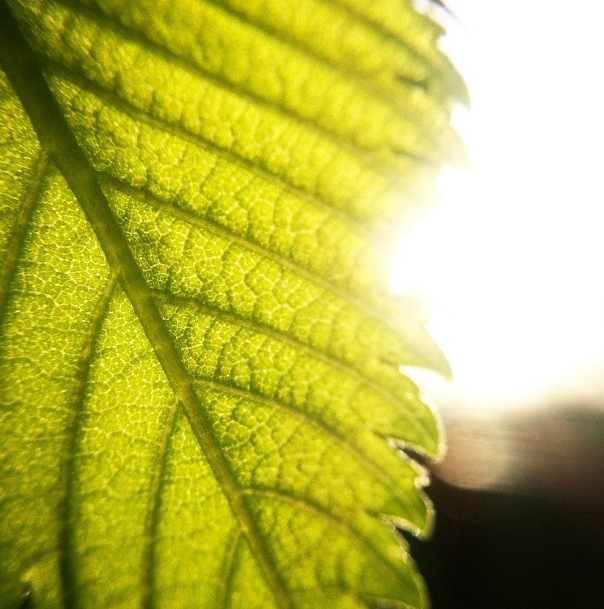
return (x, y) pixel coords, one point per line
(201, 402)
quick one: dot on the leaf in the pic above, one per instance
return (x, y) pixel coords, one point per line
(201, 401)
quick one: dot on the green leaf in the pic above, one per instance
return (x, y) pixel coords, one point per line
(201, 401)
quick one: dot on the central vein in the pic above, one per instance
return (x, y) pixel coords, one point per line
(23, 70)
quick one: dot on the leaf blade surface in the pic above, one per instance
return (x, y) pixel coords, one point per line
(194, 370)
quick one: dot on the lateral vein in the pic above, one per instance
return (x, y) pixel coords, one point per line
(334, 434)
(21, 226)
(66, 567)
(152, 514)
(348, 368)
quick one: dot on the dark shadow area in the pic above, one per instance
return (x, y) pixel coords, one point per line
(531, 542)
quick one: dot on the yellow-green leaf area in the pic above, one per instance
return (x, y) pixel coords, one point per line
(201, 402)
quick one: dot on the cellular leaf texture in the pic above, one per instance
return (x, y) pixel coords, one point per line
(202, 403)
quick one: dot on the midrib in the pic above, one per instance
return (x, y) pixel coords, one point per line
(21, 66)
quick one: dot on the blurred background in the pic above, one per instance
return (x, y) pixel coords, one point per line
(509, 265)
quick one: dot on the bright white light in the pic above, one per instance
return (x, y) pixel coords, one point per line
(511, 263)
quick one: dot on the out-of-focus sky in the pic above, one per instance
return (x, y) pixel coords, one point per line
(511, 263)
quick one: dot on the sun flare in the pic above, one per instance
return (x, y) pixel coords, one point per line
(508, 263)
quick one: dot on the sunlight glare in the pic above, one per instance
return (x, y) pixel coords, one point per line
(509, 262)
